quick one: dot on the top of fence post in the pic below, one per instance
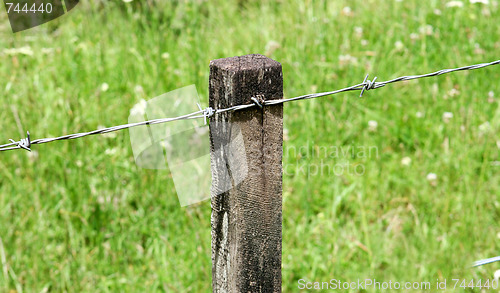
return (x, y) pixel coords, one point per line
(246, 155)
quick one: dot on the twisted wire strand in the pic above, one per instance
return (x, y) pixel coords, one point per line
(258, 101)
(486, 261)
(26, 143)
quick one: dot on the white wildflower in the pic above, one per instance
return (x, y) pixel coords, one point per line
(111, 151)
(485, 127)
(139, 90)
(406, 161)
(104, 87)
(372, 125)
(478, 50)
(33, 155)
(447, 116)
(452, 93)
(347, 11)
(166, 145)
(347, 59)
(496, 275)
(139, 109)
(485, 12)
(419, 114)
(26, 50)
(455, 4)
(435, 89)
(358, 31)
(491, 94)
(272, 46)
(426, 30)
(431, 177)
(399, 45)
(485, 2)
(47, 51)
(491, 97)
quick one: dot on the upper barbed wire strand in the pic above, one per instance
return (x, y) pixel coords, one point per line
(366, 85)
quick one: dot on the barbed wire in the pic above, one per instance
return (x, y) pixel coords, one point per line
(486, 261)
(258, 101)
(27, 143)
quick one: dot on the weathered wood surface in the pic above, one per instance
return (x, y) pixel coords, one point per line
(247, 218)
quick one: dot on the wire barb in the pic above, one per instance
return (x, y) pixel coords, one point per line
(24, 143)
(207, 112)
(258, 100)
(369, 85)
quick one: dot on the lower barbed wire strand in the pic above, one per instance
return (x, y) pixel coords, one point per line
(366, 85)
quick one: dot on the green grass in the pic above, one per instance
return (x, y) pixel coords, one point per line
(75, 218)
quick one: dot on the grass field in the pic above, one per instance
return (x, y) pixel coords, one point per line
(80, 216)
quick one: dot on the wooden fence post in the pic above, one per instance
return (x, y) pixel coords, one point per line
(246, 218)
